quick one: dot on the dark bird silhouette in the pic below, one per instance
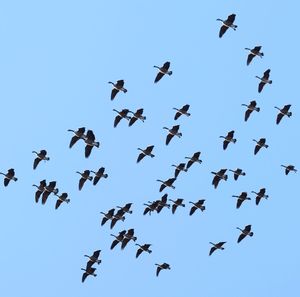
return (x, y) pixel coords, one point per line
(99, 174)
(10, 175)
(161, 267)
(241, 198)
(151, 207)
(254, 52)
(118, 238)
(61, 198)
(259, 144)
(172, 132)
(162, 71)
(79, 134)
(245, 232)
(216, 246)
(40, 156)
(228, 138)
(129, 235)
(261, 194)
(250, 108)
(143, 248)
(264, 80)
(126, 208)
(182, 111)
(218, 176)
(145, 152)
(162, 203)
(289, 168)
(193, 159)
(168, 183)
(118, 86)
(48, 190)
(236, 173)
(283, 112)
(90, 142)
(176, 203)
(138, 115)
(197, 205)
(40, 190)
(85, 175)
(94, 258)
(119, 216)
(228, 23)
(88, 271)
(179, 168)
(121, 115)
(107, 216)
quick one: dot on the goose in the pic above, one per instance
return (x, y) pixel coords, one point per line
(100, 173)
(179, 168)
(228, 23)
(107, 216)
(193, 159)
(126, 208)
(48, 190)
(250, 108)
(88, 271)
(254, 52)
(218, 176)
(241, 198)
(85, 175)
(289, 168)
(118, 86)
(197, 205)
(79, 134)
(146, 152)
(40, 189)
(182, 111)
(118, 238)
(228, 138)
(259, 144)
(161, 267)
(143, 248)
(236, 173)
(264, 80)
(40, 156)
(216, 246)
(10, 175)
(138, 115)
(176, 203)
(94, 258)
(162, 71)
(261, 194)
(167, 183)
(245, 232)
(117, 217)
(61, 198)
(150, 207)
(129, 235)
(121, 115)
(162, 203)
(172, 132)
(283, 112)
(90, 142)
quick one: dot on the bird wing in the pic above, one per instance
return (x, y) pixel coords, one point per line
(185, 107)
(38, 194)
(216, 181)
(177, 115)
(222, 171)
(138, 252)
(261, 86)
(193, 209)
(124, 243)
(175, 128)
(169, 137)
(81, 183)
(90, 135)
(118, 118)
(166, 66)
(58, 203)
(257, 200)
(96, 179)
(223, 29)
(113, 222)
(225, 144)
(147, 209)
(96, 254)
(267, 74)
(158, 269)
(247, 114)
(256, 149)
(104, 220)
(212, 250)
(177, 171)
(279, 118)
(120, 83)
(88, 150)
(287, 107)
(74, 139)
(140, 157)
(247, 228)
(114, 243)
(132, 121)
(174, 207)
(84, 276)
(149, 149)
(36, 162)
(158, 77)
(239, 202)
(241, 237)
(45, 197)
(162, 187)
(189, 164)
(287, 171)
(114, 92)
(250, 58)
(231, 18)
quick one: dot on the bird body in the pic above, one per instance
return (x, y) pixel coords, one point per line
(48, 190)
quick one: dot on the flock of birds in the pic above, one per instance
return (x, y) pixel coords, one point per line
(114, 215)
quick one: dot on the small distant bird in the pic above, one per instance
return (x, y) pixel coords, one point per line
(138, 115)
(94, 258)
(118, 86)
(216, 246)
(289, 168)
(90, 142)
(182, 111)
(150, 207)
(145, 152)
(48, 190)
(88, 271)
(61, 198)
(168, 183)
(40, 189)
(228, 23)
(241, 198)
(126, 208)
(254, 52)
(161, 267)
(172, 132)
(176, 203)
(264, 80)
(193, 159)
(79, 134)
(162, 203)
(129, 235)
(107, 216)
(119, 216)
(283, 112)
(99, 174)
(245, 232)
(143, 248)
(10, 175)
(259, 144)
(121, 115)
(179, 168)
(197, 205)
(250, 107)
(218, 176)
(228, 138)
(261, 194)
(236, 173)
(40, 156)
(118, 238)
(162, 71)
(85, 175)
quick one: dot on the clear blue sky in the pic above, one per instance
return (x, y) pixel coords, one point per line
(56, 58)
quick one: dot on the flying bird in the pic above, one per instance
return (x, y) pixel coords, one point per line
(117, 87)
(90, 142)
(61, 198)
(40, 189)
(283, 112)
(151, 207)
(289, 168)
(218, 176)
(107, 216)
(176, 203)
(126, 208)
(138, 115)
(79, 134)
(162, 203)
(94, 258)
(182, 111)
(238, 172)
(228, 138)
(197, 205)
(99, 174)
(121, 115)
(85, 175)
(179, 168)
(217, 246)
(143, 248)
(259, 144)
(146, 152)
(88, 271)
(118, 238)
(162, 267)
(167, 183)
(228, 23)
(245, 232)
(162, 71)
(39, 157)
(264, 80)
(261, 194)
(241, 198)
(253, 53)
(48, 190)
(172, 132)
(129, 235)
(250, 108)
(193, 159)
(10, 175)
(119, 216)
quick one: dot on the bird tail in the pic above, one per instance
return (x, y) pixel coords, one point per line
(97, 144)
(270, 82)
(170, 72)
(225, 176)
(55, 191)
(257, 109)
(15, 179)
(67, 200)
(251, 234)
(202, 208)
(105, 175)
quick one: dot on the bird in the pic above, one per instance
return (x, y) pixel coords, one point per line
(99, 174)
(179, 168)
(162, 203)
(241, 198)
(193, 159)
(143, 248)
(161, 267)
(79, 134)
(245, 232)
(228, 138)
(228, 23)
(172, 132)
(85, 175)
(40, 156)
(138, 115)
(264, 80)
(162, 71)
(118, 238)
(250, 107)
(167, 183)
(197, 205)
(176, 203)
(10, 175)
(88, 271)
(40, 189)
(182, 111)
(129, 235)
(90, 142)
(121, 115)
(48, 190)
(61, 198)
(254, 52)
(117, 217)
(236, 173)
(259, 144)
(289, 168)
(261, 194)
(218, 176)
(94, 258)
(118, 86)
(283, 112)
(126, 208)
(150, 207)
(146, 152)
(107, 216)
(216, 246)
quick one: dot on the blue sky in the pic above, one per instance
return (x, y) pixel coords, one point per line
(56, 60)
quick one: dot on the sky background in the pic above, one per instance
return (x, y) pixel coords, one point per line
(56, 58)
